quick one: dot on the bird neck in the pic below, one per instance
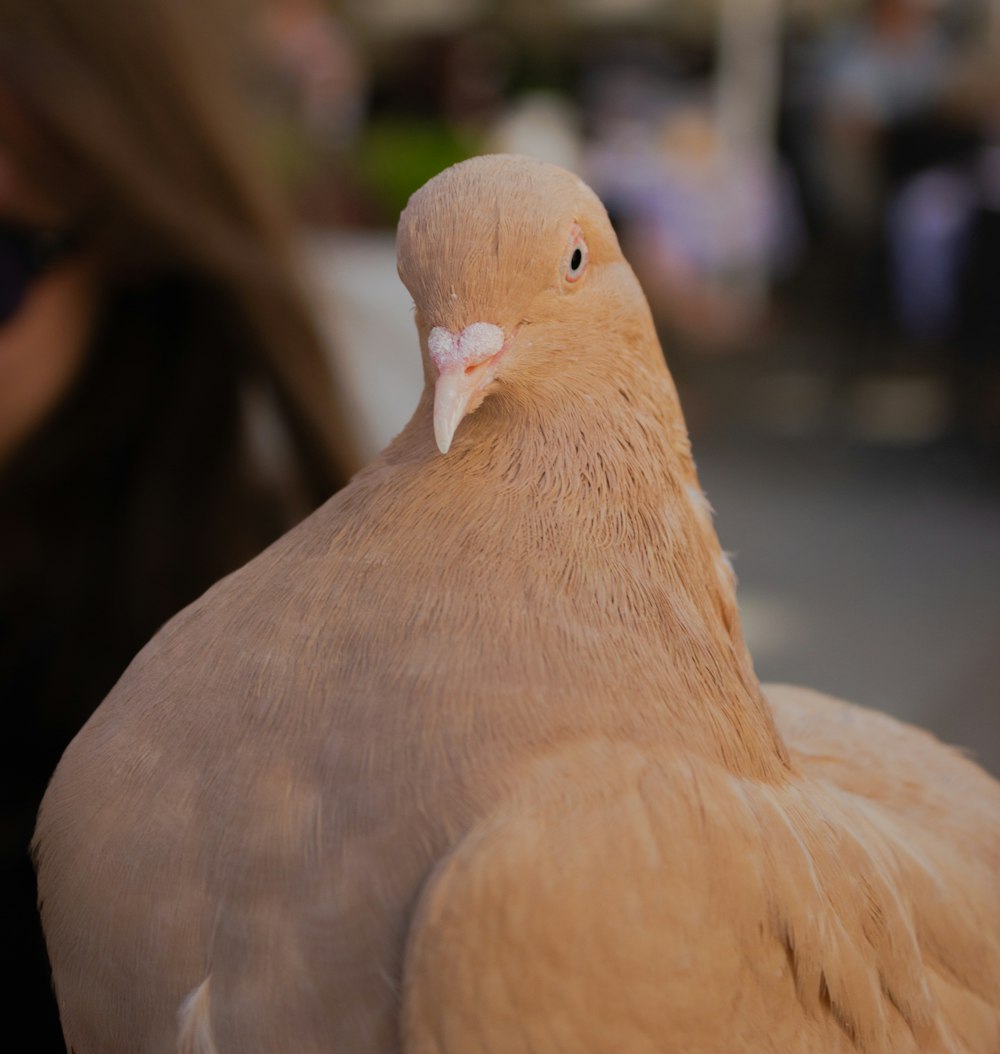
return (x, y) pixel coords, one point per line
(590, 489)
(620, 463)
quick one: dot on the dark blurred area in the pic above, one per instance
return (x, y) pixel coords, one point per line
(202, 332)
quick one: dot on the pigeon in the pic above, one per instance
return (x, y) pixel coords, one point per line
(474, 760)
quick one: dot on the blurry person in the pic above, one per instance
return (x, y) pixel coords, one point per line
(320, 64)
(881, 78)
(707, 236)
(165, 405)
(315, 81)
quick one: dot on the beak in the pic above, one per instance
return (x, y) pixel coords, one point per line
(467, 363)
(454, 393)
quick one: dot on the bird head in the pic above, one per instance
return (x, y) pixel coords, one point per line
(513, 265)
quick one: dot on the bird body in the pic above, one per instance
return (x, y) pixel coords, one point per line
(474, 759)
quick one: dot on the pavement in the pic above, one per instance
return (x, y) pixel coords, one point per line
(867, 570)
(870, 574)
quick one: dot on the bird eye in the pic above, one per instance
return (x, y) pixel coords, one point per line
(576, 255)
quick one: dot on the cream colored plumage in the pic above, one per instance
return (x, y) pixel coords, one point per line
(474, 760)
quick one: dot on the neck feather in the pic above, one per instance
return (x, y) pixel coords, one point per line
(591, 491)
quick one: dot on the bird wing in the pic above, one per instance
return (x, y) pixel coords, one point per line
(622, 901)
(905, 769)
(943, 811)
(197, 873)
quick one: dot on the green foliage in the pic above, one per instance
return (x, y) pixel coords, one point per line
(396, 156)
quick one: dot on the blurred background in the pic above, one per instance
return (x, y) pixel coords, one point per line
(809, 191)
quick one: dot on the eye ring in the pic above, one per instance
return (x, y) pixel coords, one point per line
(576, 256)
